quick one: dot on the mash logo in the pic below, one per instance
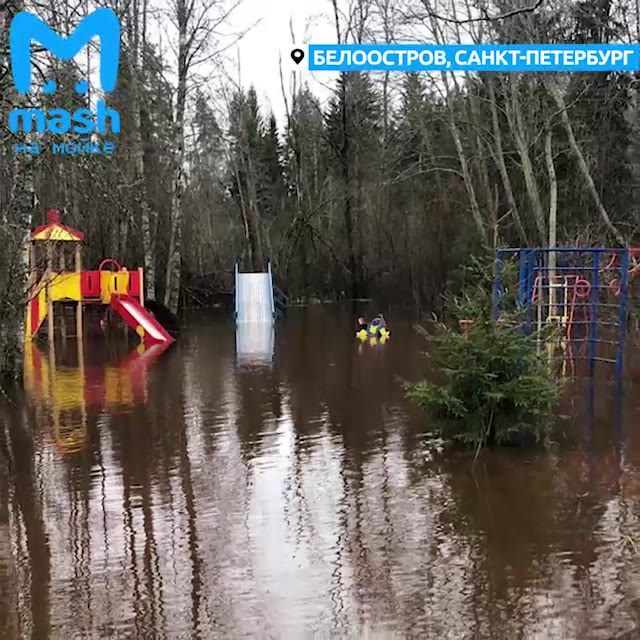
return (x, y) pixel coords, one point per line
(27, 28)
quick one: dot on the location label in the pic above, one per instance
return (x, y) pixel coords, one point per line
(297, 55)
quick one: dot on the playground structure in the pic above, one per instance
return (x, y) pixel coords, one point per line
(51, 284)
(582, 293)
(258, 304)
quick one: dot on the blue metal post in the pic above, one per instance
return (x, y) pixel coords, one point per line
(273, 306)
(531, 270)
(622, 319)
(522, 278)
(498, 291)
(235, 293)
(593, 309)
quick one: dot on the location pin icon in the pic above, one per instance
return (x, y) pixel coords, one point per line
(297, 55)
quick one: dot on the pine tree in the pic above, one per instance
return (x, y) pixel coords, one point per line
(271, 181)
(246, 133)
(353, 132)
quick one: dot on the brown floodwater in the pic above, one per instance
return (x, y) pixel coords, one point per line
(239, 486)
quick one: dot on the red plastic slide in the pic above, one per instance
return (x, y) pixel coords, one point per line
(140, 320)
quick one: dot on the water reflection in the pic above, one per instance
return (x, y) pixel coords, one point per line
(254, 343)
(62, 390)
(300, 499)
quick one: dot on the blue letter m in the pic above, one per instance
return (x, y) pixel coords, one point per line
(26, 27)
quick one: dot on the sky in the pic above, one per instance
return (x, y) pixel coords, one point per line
(270, 37)
(253, 59)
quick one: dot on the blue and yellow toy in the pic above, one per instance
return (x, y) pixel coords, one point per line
(377, 329)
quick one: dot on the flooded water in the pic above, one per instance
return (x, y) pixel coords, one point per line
(286, 489)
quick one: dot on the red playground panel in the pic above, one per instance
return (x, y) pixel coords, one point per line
(134, 283)
(90, 284)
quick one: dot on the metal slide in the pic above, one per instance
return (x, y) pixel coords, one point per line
(254, 343)
(255, 317)
(254, 298)
(140, 320)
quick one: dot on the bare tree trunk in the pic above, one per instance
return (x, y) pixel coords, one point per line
(455, 133)
(466, 174)
(348, 197)
(516, 123)
(23, 207)
(346, 174)
(473, 117)
(123, 236)
(553, 210)
(139, 175)
(298, 225)
(556, 94)
(243, 207)
(172, 287)
(500, 162)
(149, 248)
(553, 189)
(174, 259)
(253, 214)
(489, 195)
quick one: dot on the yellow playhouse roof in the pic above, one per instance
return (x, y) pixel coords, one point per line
(55, 230)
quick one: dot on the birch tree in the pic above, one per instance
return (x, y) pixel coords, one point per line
(197, 23)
